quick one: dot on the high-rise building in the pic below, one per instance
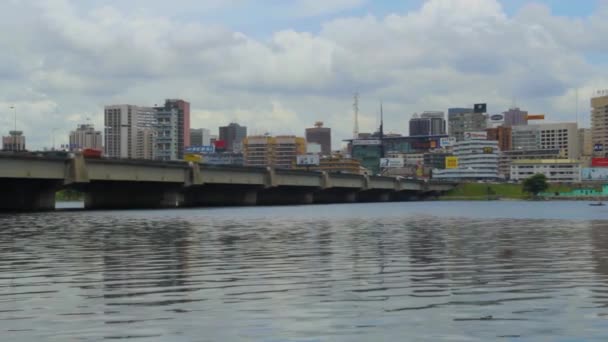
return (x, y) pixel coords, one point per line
(585, 142)
(166, 136)
(85, 136)
(129, 131)
(599, 124)
(279, 151)
(562, 136)
(462, 122)
(233, 136)
(320, 135)
(501, 134)
(180, 109)
(15, 141)
(515, 117)
(458, 110)
(200, 137)
(428, 123)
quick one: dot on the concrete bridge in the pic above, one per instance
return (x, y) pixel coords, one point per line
(29, 183)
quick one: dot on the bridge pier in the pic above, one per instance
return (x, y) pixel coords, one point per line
(28, 194)
(335, 196)
(374, 196)
(131, 195)
(285, 196)
(217, 195)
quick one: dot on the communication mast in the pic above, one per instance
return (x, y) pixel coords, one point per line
(356, 113)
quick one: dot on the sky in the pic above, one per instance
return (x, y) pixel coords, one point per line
(278, 66)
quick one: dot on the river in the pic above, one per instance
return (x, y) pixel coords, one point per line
(413, 271)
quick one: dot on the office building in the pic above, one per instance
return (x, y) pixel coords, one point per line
(85, 136)
(585, 142)
(129, 131)
(173, 129)
(562, 136)
(435, 160)
(15, 141)
(466, 122)
(335, 165)
(515, 117)
(233, 136)
(477, 160)
(320, 135)
(502, 134)
(279, 151)
(556, 170)
(507, 157)
(200, 137)
(455, 111)
(428, 123)
(599, 124)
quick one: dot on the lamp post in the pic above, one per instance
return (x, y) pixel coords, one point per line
(53, 137)
(15, 128)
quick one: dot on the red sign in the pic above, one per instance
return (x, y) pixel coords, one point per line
(219, 144)
(599, 162)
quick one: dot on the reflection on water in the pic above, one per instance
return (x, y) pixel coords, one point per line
(317, 273)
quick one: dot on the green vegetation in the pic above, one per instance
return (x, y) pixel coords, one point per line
(69, 195)
(535, 184)
(485, 191)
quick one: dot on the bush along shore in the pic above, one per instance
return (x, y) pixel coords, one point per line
(495, 191)
(68, 195)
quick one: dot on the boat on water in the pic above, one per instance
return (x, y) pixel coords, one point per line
(598, 204)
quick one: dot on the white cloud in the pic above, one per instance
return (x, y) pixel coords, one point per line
(65, 60)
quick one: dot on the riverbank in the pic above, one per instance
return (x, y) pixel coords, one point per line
(494, 191)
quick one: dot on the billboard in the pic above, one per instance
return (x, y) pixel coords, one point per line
(497, 117)
(200, 149)
(308, 160)
(598, 147)
(391, 162)
(366, 142)
(594, 174)
(536, 117)
(480, 108)
(447, 141)
(599, 162)
(480, 135)
(451, 162)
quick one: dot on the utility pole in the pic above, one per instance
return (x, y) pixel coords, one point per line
(381, 132)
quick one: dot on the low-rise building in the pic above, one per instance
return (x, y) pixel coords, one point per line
(477, 160)
(279, 151)
(15, 141)
(507, 157)
(340, 165)
(556, 170)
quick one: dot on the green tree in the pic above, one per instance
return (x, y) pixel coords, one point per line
(535, 184)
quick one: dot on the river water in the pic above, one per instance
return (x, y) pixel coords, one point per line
(426, 271)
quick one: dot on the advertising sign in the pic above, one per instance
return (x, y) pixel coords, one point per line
(480, 135)
(451, 162)
(200, 149)
(391, 162)
(536, 117)
(598, 147)
(599, 162)
(488, 150)
(307, 160)
(497, 117)
(366, 142)
(447, 142)
(480, 108)
(594, 174)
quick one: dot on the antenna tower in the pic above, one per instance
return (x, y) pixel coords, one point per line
(356, 113)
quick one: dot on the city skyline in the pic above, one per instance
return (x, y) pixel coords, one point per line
(282, 75)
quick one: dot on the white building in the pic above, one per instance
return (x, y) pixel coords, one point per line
(200, 137)
(166, 130)
(556, 170)
(129, 131)
(477, 159)
(562, 136)
(85, 136)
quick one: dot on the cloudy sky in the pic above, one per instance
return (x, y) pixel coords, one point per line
(279, 65)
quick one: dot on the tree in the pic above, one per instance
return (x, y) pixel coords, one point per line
(536, 184)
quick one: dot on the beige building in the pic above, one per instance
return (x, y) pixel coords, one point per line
(548, 136)
(85, 136)
(129, 131)
(556, 170)
(15, 141)
(586, 145)
(599, 123)
(279, 151)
